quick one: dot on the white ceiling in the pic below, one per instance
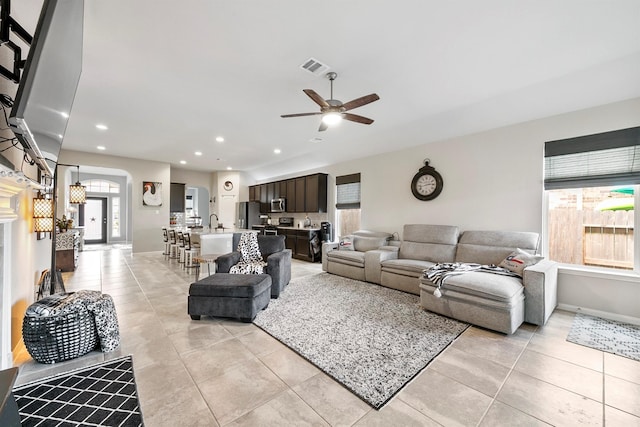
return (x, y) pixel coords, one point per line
(167, 77)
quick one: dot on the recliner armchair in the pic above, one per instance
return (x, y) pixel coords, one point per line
(274, 253)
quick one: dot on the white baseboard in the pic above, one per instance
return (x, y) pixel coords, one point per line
(602, 314)
(17, 351)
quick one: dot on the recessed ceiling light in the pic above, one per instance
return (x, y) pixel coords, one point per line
(198, 153)
(229, 168)
(219, 139)
(60, 136)
(101, 147)
(183, 162)
(101, 126)
(277, 151)
(65, 115)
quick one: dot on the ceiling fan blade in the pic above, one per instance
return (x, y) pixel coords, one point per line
(299, 115)
(357, 119)
(323, 126)
(359, 102)
(316, 98)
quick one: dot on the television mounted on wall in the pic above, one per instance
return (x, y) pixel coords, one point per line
(49, 81)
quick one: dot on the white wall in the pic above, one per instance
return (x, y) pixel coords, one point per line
(492, 181)
(26, 256)
(146, 221)
(191, 178)
(201, 180)
(227, 199)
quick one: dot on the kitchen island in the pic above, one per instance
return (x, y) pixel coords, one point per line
(216, 241)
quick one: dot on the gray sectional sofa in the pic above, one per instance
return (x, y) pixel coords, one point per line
(494, 301)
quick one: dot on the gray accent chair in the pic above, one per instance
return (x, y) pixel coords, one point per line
(274, 253)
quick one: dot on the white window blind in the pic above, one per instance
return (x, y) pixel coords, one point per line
(604, 159)
(348, 191)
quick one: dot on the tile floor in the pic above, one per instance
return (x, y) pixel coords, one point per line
(224, 373)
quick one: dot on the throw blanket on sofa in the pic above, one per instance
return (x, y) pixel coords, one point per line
(251, 261)
(440, 272)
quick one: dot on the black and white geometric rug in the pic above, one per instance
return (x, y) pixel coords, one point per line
(611, 336)
(100, 395)
(371, 339)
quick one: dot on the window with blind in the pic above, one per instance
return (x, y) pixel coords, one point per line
(610, 158)
(348, 203)
(348, 191)
(592, 184)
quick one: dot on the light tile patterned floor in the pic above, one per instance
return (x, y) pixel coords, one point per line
(221, 372)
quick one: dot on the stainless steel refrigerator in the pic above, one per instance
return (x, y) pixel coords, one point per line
(248, 214)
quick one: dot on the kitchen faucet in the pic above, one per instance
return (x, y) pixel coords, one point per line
(217, 220)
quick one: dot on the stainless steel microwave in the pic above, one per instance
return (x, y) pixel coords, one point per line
(278, 205)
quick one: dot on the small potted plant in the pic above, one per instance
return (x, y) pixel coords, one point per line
(62, 223)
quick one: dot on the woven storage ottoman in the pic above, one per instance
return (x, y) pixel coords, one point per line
(59, 337)
(240, 296)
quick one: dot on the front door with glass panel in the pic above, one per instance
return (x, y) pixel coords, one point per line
(93, 215)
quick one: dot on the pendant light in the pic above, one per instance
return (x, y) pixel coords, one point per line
(42, 214)
(77, 191)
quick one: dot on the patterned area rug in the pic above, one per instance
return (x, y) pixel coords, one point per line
(100, 395)
(371, 339)
(614, 337)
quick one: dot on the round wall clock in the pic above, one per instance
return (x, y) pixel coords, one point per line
(228, 185)
(427, 183)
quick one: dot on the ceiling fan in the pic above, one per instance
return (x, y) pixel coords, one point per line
(332, 110)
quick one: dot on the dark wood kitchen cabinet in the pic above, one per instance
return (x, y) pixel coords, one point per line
(304, 194)
(282, 189)
(290, 239)
(265, 204)
(300, 205)
(271, 192)
(310, 194)
(299, 241)
(291, 195)
(316, 193)
(303, 250)
(263, 193)
(177, 197)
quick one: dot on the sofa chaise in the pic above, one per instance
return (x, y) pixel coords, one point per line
(494, 301)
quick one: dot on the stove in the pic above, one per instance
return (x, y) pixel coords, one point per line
(270, 230)
(285, 221)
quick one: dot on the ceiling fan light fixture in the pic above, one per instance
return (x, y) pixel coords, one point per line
(331, 119)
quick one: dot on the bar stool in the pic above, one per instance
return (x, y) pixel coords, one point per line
(173, 245)
(195, 241)
(180, 240)
(165, 239)
(189, 252)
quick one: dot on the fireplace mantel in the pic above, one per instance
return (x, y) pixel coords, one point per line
(12, 183)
